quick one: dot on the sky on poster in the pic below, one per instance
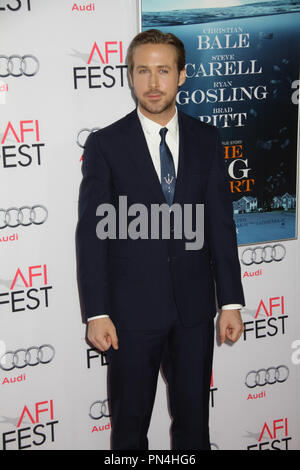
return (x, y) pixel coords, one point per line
(164, 5)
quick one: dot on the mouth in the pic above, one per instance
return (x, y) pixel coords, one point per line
(154, 95)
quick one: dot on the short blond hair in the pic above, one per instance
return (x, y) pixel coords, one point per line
(155, 36)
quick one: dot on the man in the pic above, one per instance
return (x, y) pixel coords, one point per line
(150, 301)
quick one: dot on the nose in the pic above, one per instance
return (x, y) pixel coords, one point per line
(153, 80)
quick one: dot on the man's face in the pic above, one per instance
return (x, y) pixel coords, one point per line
(155, 78)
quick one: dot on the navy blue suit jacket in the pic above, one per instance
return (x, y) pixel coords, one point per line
(133, 280)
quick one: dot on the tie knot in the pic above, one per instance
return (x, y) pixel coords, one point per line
(163, 132)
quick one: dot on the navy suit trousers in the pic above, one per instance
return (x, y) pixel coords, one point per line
(185, 355)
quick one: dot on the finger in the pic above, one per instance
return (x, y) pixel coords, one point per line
(222, 333)
(114, 339)
(100, 343)
(232, 336)
(235, 334)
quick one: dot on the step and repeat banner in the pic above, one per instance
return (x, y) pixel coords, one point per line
(63, 75)
(242, 66)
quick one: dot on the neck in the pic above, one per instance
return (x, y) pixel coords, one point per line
(160, 118)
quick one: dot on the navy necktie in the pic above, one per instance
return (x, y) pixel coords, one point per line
(168, 177)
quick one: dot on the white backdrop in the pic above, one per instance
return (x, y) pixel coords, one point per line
(52, 384)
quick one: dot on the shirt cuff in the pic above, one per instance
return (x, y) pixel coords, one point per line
(231, 306)
(97, 316)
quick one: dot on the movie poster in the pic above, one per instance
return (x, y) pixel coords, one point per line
(243, 77)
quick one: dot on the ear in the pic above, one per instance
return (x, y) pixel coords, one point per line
(130, 79)
(182, 77)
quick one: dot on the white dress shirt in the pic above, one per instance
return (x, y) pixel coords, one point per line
(151, 131)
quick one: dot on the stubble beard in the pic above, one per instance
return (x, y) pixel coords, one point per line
(156, 108)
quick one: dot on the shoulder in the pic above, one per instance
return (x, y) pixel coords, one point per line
(197, 126)
(117, 127)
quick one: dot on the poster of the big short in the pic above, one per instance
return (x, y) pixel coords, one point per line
(242, 67)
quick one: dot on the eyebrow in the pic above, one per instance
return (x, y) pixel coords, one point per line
(159, 66)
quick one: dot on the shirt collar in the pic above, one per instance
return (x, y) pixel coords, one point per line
(152, 128)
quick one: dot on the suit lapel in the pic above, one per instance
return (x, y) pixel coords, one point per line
(140, 155)
(182, 161)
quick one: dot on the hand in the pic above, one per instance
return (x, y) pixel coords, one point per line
(231, 325)
(102, 334)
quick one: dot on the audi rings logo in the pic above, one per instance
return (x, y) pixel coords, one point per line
(27, 357)
(83, 135)
(25, 215)
(268, 376)
(99, 409)
(263, 254)
(16, 65)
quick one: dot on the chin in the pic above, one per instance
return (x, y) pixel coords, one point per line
(156, 109)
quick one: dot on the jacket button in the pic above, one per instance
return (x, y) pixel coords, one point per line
(169, 259)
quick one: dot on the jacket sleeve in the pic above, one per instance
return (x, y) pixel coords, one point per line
(92, 252)
(221, 231)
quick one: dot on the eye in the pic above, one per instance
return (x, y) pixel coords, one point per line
(141, 71)
(163, 71)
